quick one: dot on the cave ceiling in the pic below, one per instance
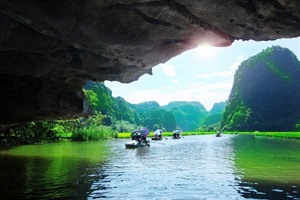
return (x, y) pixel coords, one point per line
(49, 49)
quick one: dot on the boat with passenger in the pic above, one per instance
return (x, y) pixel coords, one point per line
(177, 134)
(157, 135)
(138, 138)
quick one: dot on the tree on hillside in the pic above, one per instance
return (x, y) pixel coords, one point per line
(124, 112)
(266, 92)
(189, 115)
(168, 121)
(153, 120)
(180, 119)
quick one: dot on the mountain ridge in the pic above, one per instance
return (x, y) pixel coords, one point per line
(265, 92)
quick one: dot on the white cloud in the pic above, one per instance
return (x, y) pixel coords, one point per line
(138, 96)
(226, 73)
(169, 70)
(237, 62)
(176, 81)
(207, 94)
(208, 89)
(222, 74)
(157, 95)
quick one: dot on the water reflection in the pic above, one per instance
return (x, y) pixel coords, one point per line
(140, 152)
(196, 167)
(52, 171)
(268, 190)
(203, 167)
(269, 168)
(193, 168)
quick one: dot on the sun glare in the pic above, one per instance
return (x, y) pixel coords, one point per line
(205, 50)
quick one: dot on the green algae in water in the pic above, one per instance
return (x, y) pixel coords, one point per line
(268, 159)
(92, 151)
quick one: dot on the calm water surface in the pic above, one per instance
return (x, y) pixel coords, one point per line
(196, 167)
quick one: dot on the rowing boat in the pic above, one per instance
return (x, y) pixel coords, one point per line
(156, 138)
(176, 137)
(136, 144)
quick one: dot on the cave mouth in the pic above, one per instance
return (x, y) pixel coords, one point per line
(50, 49)
(203, 74)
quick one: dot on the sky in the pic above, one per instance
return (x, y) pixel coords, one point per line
(204, 74)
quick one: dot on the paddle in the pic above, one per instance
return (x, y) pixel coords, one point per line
(158, 143)
(165, 138)
(147, 143)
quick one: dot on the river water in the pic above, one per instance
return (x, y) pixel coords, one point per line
(195, 167)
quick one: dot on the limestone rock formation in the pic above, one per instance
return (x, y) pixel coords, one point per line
(49, 49)
(265, 93)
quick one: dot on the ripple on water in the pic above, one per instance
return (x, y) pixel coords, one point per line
(177, 170)
(197, 167)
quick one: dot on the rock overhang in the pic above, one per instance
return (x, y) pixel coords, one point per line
(49, 49)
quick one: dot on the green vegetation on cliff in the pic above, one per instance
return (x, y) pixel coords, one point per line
(264, 97)
(123, 116)
(265, 94)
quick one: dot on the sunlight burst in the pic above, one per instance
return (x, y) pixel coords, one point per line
(205, 50)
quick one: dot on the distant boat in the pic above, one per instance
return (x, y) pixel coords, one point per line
(218, 134)
(156, 138)
(177, 134)
(157, 135)
(176, 137)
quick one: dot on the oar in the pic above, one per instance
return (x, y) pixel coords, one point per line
(165, 138)
(159, 143)
(147, 143)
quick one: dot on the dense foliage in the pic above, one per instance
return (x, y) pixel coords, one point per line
(215, 114)
(108, 115)
(82, 129)
(113, 108)
(264, 97)
(92, 128)
(266, 92)
(188, 116)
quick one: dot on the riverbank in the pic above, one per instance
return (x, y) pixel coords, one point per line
(166, 134)
(291, 135)
(14, 141)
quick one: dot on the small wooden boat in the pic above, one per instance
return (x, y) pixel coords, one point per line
(156, 138)
(177, 134)
(157, 135)
(218, 134)
(136, 144)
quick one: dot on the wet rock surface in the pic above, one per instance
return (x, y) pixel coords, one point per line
(49, 49)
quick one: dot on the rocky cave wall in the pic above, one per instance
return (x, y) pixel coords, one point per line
(49, 49)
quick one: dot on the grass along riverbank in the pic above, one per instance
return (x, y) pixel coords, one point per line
(292, 135)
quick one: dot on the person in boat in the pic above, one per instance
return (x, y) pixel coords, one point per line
(136, 135)
(144, 133)
(140, 135)
(158, 134)
(144, 139)
(218, 134)
(176, 133)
